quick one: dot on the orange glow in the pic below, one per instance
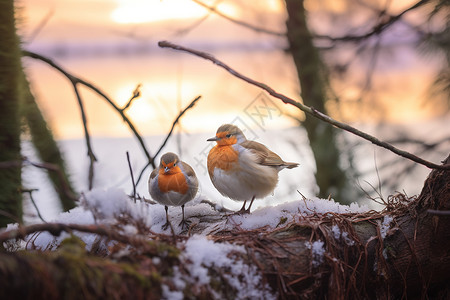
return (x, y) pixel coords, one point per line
(144, 11)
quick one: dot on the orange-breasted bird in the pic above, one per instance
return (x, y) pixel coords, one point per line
(173, 184)
(241, 169)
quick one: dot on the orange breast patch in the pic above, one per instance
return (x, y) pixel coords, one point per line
(172, 182)
(223, 157)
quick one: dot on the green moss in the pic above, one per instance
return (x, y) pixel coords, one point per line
(161, 249)
(282, 221)
(73, 242)
(87, 274)
(390, 251)
(132, 270)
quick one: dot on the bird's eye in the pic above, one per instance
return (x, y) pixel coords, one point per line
(228, 135)
(174, 164)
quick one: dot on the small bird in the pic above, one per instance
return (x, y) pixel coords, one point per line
(241, 169)
(174, 183)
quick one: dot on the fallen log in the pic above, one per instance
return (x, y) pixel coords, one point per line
(400, 252)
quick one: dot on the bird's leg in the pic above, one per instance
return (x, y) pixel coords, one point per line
(242, 210)
(184, 223)
(251, 202)
(165, 226)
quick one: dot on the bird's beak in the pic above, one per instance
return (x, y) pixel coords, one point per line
(166, 169)
(213, 139)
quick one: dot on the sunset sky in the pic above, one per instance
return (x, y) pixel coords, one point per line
(113, 44)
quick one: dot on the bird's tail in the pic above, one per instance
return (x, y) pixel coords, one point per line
(291, 165)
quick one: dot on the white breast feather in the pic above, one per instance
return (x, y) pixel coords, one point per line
(252, 179)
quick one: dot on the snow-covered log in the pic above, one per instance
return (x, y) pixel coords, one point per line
(308, 249)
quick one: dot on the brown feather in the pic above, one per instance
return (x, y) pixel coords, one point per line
(267, 157)
(188, 169)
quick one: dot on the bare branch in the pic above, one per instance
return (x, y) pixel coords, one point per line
(48, 166)
(309, 110)
(10, 164)
(30, 193)
(40, 25)
(75, 80)
(378, 29)
(239, 22)
(175, 122)
(87, 136)
(55, 168)
(132, 177)
(57, 228)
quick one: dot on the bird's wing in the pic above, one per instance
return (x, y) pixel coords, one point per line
(266, 157)
(263, 154)
(188, 169)
(190, 173)
(154, 173)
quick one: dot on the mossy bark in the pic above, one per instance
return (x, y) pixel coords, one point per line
(72, 273)
(330, 176)
(47, 147)
(10, 68)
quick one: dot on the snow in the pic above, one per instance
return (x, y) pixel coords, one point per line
(336, 231)
(106, 206)
(317, 251)
(385, 225)
(172, 295)
(341, 235)
(272, 215)
(201, 253)
(78, 215)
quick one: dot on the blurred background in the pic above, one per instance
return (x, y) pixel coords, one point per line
(381, 66)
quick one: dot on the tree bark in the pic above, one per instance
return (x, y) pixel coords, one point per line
(10, 178)
(330, 176)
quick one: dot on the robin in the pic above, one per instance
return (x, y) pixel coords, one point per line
(174, 183)
(241, 169)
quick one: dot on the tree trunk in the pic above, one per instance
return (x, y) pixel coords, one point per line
(10, 68)
(330, 177)
(46, 147)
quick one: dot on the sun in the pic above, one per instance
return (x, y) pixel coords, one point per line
(145, 11)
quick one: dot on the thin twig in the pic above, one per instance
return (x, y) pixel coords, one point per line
(136, 94)
(175, 122)
(376, 30)
(309, 110)
(30, 192)
(87, 136)
(132, 177)
(42, 23)
(239, 22)
(10, 164)
(48, 166)
(55, 168)
(10, 216)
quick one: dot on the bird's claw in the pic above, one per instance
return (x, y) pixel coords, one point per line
(166, 225)
(185, 224)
